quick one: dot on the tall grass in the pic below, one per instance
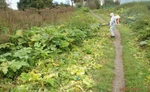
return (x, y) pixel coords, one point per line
(11, 20)
(32, 17)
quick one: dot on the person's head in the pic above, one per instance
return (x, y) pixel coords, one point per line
(111, 14)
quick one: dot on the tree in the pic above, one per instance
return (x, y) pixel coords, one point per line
(3, 4)
(72, 1)
(23, 4)
(38, 4)
(68, 2)
(109, 2)
(81, 2)
(77, 1)
(93, 4)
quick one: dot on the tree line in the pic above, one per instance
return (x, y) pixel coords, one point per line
(40, 4)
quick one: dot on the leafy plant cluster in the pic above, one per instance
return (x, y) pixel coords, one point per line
(45, 48)
(58, 76)
(142, 29)
(37, 43)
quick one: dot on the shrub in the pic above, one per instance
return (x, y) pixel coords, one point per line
(142, 28)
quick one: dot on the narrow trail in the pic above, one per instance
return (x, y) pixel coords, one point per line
(119, 80)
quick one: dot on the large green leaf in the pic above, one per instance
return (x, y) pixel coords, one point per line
(64, 44)
(50, 81)
(16, 65)
(6, 45)
(4, 67)
(24, 77)
(23, 53)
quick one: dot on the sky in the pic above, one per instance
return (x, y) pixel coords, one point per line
(13, 3)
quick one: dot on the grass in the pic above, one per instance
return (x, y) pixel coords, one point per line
(134, 62)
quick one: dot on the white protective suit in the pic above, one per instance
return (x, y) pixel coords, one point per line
(112, 24)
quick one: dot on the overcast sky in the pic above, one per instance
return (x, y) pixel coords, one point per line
(13, 3)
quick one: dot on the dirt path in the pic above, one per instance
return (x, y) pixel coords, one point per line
(118, 81)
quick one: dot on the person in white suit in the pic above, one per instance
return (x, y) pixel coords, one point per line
(112, 24)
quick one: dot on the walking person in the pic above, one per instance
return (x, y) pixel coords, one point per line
(112, 24)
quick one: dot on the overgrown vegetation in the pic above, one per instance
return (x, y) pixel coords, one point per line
(56, 58)
(73, 56)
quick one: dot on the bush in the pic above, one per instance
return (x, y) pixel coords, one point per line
(93, 4)
(142, 28)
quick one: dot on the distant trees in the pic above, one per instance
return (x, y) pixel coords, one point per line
(77, 1)
(38, 4)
